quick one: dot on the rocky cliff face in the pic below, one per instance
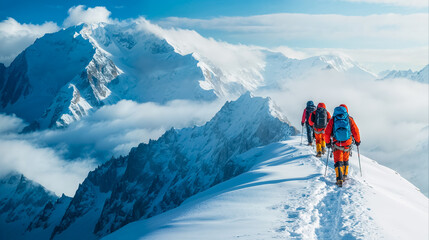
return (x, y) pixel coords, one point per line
(85, 208)
(20, 202)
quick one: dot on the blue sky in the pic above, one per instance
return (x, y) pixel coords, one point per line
(379, 34)
(37, 12)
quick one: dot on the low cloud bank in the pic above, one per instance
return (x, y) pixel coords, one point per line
(61, 159)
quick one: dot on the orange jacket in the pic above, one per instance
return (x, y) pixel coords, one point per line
(353, 127)
(310, 121)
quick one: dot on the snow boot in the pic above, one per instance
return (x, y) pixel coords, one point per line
(323, 150)
(319, 154)
(339, 183)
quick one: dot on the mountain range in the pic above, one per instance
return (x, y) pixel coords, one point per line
(419, 76)
(64, 76)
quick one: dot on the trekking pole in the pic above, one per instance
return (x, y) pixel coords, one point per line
(360, 168)
(302, 132)
(327, 158)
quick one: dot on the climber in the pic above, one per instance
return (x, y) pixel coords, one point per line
(343, 129)
(305, 115)
(319, 120)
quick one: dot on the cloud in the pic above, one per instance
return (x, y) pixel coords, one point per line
(41, 164)
(15, 37)
(314, 30)
(10, 124)
(406, 3)
(392, 116)
(61, 159)
(114, 129)
(81, 14)
(232, 63)
(378, 42)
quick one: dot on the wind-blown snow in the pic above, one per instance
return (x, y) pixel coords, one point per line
(286, 196)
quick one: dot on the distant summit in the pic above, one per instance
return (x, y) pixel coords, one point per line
(419, 76)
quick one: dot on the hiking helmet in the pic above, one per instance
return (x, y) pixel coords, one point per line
(310, 103)
(344, 105)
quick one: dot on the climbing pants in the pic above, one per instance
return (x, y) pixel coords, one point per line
(341, 160)
(310, 133)
(320, 142)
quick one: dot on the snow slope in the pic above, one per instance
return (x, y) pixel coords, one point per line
(286, 196)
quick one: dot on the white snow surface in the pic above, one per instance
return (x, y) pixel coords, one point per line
(286, 196)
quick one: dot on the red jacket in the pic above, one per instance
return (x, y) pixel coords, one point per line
(310, 121)
(353, 127)
(303, 120)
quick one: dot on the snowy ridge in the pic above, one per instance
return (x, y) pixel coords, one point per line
(419, 76)
(280, 69)
(159, 176)
(286, 196)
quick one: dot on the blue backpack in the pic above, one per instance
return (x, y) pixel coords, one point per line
(341, 128)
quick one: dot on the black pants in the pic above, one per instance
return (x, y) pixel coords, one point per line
(310, 133)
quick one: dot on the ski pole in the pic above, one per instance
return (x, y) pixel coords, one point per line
(302, 132)
(327, 158)
(360, 168)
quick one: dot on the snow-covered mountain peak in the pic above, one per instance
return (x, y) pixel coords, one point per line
(339, 62)
(248, 108)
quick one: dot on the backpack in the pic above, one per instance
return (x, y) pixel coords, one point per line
(309, 110)
(320, 118)
(341, 128)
